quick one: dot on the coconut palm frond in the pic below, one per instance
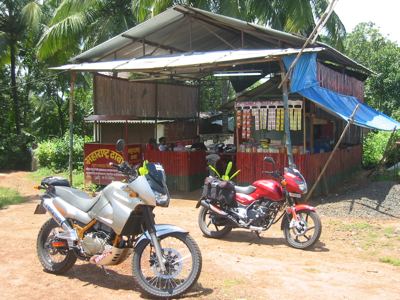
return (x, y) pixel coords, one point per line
(72, 7)
(61, 34)
(32, 15)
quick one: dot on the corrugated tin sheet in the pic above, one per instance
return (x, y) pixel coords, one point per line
(182, 61)
(172, 30)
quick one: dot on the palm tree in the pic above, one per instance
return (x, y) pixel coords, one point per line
(84, 23)
(295, 16)
(18, 18)
(77, 25)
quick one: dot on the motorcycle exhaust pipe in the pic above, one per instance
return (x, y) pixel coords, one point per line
(220, 212)
(69, 233)
(209, 206)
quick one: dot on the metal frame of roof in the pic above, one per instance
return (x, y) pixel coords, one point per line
(182, 29)
(187, 63)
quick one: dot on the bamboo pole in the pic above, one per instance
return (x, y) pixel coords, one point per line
(304, 128)
(71, 125)
(311, 39)
(285, 96)
(333, 152)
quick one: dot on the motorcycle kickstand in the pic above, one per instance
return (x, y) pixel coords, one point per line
(257, 234)
(105, 270)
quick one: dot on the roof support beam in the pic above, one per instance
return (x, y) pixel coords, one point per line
(114, 51)
(205, 25)
(198, 16)
(143, 40)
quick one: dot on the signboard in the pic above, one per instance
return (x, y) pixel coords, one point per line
(98, 156)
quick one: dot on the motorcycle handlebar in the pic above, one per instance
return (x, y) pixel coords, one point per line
(275, 174)
(125, 168)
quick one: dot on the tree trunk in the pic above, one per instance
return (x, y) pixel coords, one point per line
(225, 94)
(14, 92)
(60, 117)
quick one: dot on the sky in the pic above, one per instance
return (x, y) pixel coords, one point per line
(384, 13)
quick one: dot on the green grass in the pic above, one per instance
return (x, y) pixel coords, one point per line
(228, 283)
(359, 226)
(9, 196)
(390, 260)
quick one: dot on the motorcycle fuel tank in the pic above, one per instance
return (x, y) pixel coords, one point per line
(267, 188)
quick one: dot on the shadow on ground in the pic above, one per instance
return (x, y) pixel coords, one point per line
(94, 275)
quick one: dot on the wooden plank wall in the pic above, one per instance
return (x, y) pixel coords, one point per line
(345, 162)
(115, 96)
(340, 82)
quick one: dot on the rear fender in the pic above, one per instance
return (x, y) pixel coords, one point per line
(289, 212)
(161, 230)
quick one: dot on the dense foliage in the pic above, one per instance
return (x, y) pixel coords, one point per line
(15, 152)
(369, 47)
(54, 153)
(375, 144)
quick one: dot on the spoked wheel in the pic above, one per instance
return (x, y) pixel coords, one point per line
(304, 234)
(182, 261)
(54, 260)
(211, 225)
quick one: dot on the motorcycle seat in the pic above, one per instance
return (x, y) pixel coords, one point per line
(245, 189)
(76, 198)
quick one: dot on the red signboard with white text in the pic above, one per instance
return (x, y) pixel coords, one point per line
(98, 156)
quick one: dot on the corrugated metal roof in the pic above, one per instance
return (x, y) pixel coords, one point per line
(170, 32)
(184, 61)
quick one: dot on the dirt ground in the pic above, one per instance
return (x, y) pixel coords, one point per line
(341, 266)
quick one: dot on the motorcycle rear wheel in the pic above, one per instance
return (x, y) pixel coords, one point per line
(303, 240)
(56, 261)
(182, 260)
(207, 225)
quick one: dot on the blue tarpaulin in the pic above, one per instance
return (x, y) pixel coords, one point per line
(304, 82)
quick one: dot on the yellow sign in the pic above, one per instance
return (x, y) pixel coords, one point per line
(103, 154)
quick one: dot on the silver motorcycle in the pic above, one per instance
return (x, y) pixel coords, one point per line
(106, 229)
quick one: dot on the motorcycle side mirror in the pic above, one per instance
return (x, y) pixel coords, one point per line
(120, 145)
(269, 159)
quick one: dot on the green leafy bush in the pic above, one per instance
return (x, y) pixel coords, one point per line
(15, 153)
(374, 147)
(54, 153)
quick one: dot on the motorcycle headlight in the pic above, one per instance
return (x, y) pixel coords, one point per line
(162, 200)
(303, 187)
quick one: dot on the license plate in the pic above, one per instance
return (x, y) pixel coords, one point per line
(40, 210)
(295, 195)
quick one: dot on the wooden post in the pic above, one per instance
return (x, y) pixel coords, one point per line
(285, 96)
(304, 127)
(71, 124)
(156, 112)
(311, 133)
(198, 108)
(350, 121)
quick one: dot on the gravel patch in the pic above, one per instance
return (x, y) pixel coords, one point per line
(379, 199)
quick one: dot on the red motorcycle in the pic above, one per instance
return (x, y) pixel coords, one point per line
(256, 207)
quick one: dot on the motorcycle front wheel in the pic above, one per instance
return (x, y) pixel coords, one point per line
(308, 231)
(208, 223)
(182, 260)
(53, 260)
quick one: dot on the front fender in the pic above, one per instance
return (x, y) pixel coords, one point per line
(298, 207)
(161, 230)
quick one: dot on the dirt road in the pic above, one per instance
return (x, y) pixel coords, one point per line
(238, 267)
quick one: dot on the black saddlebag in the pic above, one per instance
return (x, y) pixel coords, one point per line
(219, 190)
(55, 181)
